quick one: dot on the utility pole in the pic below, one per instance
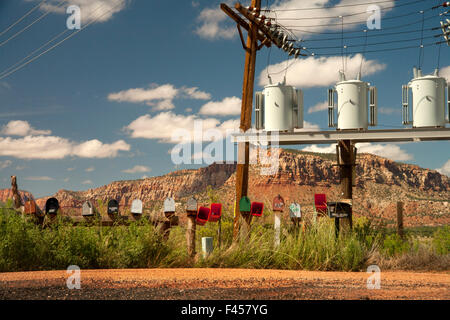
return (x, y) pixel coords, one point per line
(347, 164)
(259, 28)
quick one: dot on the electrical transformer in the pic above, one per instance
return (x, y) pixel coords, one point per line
(354, 108)
(279, 108)
(428, 100)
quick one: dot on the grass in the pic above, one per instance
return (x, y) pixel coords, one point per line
(26, 246)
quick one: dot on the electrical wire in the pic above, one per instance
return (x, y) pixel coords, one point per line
(23, 17)
(60, 42)
(337, 6)
(30, 25)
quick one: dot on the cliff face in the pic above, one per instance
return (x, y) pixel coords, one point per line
(6, 194)
(379, 184)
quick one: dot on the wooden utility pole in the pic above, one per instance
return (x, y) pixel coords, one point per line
(347, 163)
(400, 219)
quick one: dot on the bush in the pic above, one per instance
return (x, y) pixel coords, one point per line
(441, 240)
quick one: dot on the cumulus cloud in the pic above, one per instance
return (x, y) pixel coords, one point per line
(35, 145)
(318, 107)
(226, 107)
(137, 169)
(445, 72)
(90, 169)
(87, 182)
(390, 151)
(99, 10)
(445, 169)
(319, 72)
(169, 127)
(21, 128)
(160, 97)
(214, 25)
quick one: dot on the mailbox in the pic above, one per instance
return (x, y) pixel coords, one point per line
(136, 207)
(87, 209)
(257, 209)
(278, 203)
(191, 206)
(51, 206)
(216, 212)
(244, 204)
(30, 207)
(169, 207)
(203, 215)
(320, 203)
(113, 207)
(295, 211)
(339, 209)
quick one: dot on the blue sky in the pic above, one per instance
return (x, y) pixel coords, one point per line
(102, 106)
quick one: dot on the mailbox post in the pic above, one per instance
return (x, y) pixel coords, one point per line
(191, 212)
(245, 209)
(169, 212)
(295, 213)
(338, 210)
(278, 207)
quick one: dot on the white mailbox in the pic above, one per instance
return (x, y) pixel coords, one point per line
(279, 107)
(295, 210)
(428, 100)
(169, 205)
(87, 209)
(136, 207)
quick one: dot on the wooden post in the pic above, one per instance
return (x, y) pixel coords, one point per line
(400, 230)
(277, 226)
(246, 118)
(190, 235)
(346, 169)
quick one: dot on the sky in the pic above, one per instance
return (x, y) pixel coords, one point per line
(116, 97)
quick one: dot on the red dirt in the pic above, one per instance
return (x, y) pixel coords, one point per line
(242, 284)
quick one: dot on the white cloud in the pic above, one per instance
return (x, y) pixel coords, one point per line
(228, 106)
(160, 97)
(5, 164)
(50, 147)
(384, 110)
(163, 126)
(137, 169)
(319, 72)
(445, 169)
(21, 128)
(90, 169)
(70, 169)
(87, 182)
(445, 72)
(308, 126)
(214, 24)
(102, 10)
(43, 178)
(318, 107)
(390, 151)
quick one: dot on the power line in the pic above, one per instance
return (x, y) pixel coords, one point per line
(332, 7)
(23, 17)
(60, 42)
(30, 25)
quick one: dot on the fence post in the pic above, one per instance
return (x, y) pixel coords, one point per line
(400, 230)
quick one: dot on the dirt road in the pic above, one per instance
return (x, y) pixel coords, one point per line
(242, 284)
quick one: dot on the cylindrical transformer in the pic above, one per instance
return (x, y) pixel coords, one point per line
(283, 108)
(352, 104)
(428, 94)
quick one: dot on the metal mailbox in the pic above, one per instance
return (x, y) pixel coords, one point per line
(295, 210)
(203, 215)
(51, 206)
(136, 207)
(320, 203)
(244, 204)
(257, 209)
(278, 203)
(216, 212)
(113, 207)
(169, 205)
(87, 209)
(191, 205)
(30, 207)
(339, 209)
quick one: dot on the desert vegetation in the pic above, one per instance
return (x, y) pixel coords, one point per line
(27, 246)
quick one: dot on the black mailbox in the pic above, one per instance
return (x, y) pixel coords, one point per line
(113, 207)
(52, 206)
(339, 209)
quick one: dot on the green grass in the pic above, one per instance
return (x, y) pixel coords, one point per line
(26, 246)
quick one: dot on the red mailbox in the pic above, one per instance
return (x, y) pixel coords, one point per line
(278, 203)
(216, 212)
(257, 208)
(203, 215)
(320, 202)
